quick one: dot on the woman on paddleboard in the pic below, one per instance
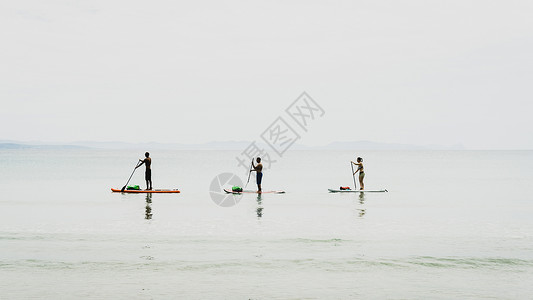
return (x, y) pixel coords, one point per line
(361, 171)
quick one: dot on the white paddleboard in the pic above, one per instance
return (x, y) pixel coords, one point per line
(357, 191)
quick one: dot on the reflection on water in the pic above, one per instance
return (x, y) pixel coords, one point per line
(259, 209)
(148, 212)
(362, 211)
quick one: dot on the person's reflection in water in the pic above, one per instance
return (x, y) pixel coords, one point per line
(362, 198)
(362, 211)
(259, 209)
(148, 213)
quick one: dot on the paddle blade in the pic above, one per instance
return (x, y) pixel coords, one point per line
(123, 188)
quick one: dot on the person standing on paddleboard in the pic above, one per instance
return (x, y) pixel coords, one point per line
(147, 161)
(259, 173)
(361, 171)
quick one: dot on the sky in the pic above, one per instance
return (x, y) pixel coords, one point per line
(411, 72)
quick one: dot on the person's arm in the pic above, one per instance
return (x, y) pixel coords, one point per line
(253, 166)
(358, 166)
(142, 162)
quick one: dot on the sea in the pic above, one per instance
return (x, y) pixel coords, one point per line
(453, 225)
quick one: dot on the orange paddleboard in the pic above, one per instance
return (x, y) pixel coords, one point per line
(146, 191)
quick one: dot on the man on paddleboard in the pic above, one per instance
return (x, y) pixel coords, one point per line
(147, 161)
(259, 173)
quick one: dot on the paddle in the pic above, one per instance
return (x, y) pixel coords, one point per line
(353, 175)
(249, 173)
(124, 187)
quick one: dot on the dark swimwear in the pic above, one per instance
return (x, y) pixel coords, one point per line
(259, 177)
(148, 175)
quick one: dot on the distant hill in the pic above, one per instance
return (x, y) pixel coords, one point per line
(221, 145)
(241, 145)
(16, 146)
(13, 146)
(368, 145)
(229, 145)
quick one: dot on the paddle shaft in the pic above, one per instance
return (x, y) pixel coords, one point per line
(353, 175)
(124, 187)
(249, 173)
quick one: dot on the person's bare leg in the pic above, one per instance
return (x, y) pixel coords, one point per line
(259, 188)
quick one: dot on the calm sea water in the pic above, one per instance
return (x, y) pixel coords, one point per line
(454, 225)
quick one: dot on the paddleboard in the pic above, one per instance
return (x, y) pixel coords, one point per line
(357, 191)
(146, 191)
(253, 192)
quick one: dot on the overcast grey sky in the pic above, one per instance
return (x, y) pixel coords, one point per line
(417, 72)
